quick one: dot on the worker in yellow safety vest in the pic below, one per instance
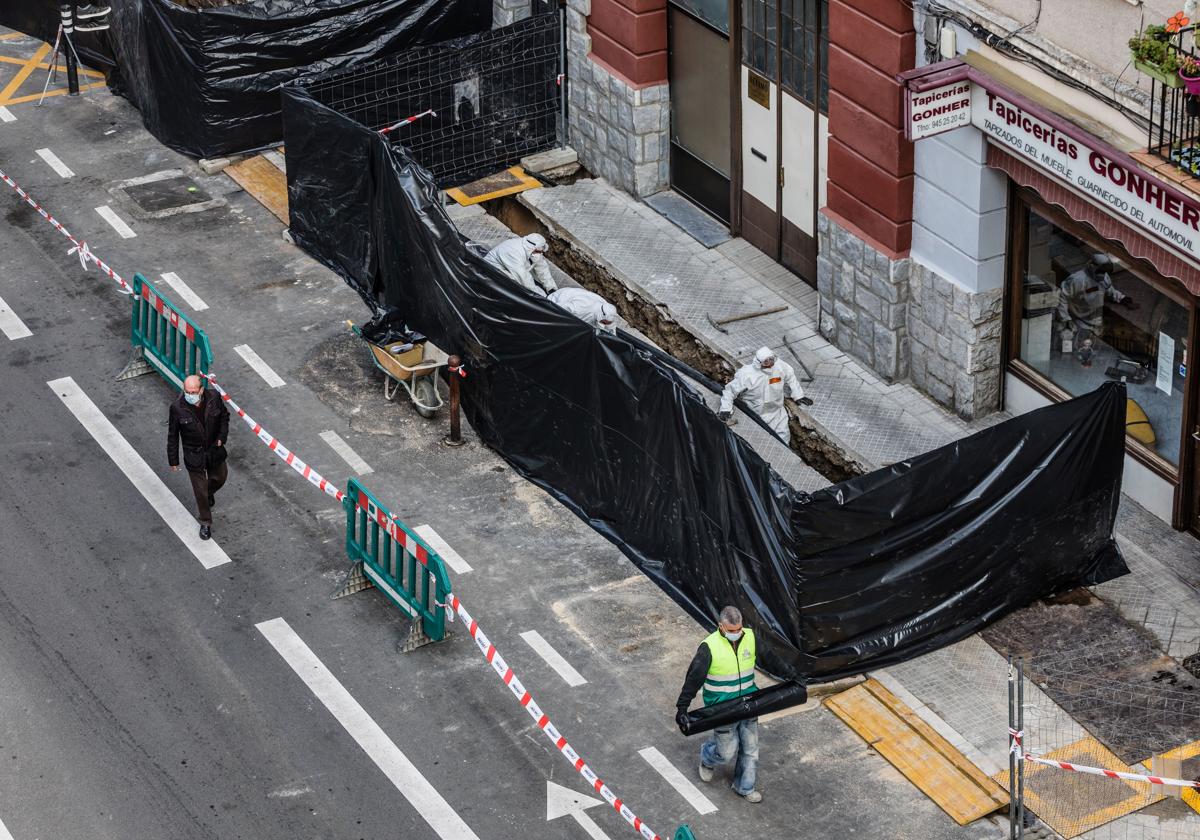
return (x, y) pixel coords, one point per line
(724, 667)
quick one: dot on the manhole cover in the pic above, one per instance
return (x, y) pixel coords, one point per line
(167, 194)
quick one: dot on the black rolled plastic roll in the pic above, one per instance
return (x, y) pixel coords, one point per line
(762, 702)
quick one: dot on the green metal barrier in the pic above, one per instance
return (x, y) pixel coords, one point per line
(164, 339)
(684, 833)
(396, 561)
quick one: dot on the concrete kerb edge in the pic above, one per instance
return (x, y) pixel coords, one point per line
(817, 446)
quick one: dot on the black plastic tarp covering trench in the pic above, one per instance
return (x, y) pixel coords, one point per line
(867, 572)
(207, 82)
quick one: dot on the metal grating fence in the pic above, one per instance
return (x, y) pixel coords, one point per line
(486, 100)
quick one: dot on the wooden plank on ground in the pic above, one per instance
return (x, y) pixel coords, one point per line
(914, 748)
(263, 180)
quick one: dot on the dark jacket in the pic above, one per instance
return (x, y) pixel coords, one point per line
(199, 427)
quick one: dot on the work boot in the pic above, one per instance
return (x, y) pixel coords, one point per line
(91, 10)
(753, 796)
(205, 532)
(706, 773)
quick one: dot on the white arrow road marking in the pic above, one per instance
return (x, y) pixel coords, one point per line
(553, 658)
(14, 328)
(677, 780)
(457, 565)
(138, 472)
(260, 367)
(402, 773)
(561, 801)
(55, 163)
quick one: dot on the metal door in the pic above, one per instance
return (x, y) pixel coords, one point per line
(698, 71)
(785, 130)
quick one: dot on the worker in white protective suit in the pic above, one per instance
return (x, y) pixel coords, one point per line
(763, 384)
(523, 259)
(588, 307)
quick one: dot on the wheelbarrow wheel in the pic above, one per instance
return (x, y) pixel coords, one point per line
(425, 392)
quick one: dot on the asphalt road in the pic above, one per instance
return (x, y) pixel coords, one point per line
(139, 694)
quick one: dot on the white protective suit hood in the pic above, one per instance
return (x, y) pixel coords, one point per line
(762, 355)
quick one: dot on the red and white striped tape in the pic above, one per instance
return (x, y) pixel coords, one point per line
(543, 721)
(396, 532)
(1113, 774)
(79, 248)
(286, 455)
(428, 113)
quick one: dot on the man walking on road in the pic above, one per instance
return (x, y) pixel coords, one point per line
(200, 419)
(724, 666)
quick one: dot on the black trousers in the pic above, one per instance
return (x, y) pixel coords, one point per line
(206, 483)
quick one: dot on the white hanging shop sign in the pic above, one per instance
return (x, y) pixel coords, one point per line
(1126, 191)
(938, 109)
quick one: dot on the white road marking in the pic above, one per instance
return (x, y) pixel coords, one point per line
(12, 326)
(677, 780)
(4, 835)
(553, 658)
(118, 224)
(185, 291)
(260, 367)
(53, 161)
(453, 559)
(348, 455)
(402, 773)
(6, 116)
(138, 472)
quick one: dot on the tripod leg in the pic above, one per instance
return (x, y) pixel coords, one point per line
(53, 64)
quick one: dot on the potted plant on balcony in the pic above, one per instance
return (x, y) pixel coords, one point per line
(1153, 56)
(1189, 72)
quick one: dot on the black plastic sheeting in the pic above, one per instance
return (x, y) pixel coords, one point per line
(762, 702)
(866, 573)
(495, 98)
(207, 82)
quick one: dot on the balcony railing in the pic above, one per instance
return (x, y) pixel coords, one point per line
(1174, 133)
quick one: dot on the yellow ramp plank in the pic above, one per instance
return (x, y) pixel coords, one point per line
(263, 180)
(507, 182)
(925, 758)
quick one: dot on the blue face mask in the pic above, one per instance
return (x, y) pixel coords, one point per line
(192, 399)
(731, 636)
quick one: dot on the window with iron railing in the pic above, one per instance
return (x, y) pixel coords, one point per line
(1174, 133)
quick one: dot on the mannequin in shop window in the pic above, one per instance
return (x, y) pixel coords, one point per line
(1081, 299)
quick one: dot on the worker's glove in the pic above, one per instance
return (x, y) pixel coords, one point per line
(1129, 303)
(681, 720)
(805, 401)
(725, 416)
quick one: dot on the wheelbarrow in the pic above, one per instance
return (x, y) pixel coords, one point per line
(411, 366)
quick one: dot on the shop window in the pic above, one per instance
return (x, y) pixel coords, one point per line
(1087, 317)
(759, 39)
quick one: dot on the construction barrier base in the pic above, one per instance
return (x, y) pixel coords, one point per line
(135, 367)
(684, 833)
(355, 581)
(416, 638)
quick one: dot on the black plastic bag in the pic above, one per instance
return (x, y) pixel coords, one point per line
(762, 702)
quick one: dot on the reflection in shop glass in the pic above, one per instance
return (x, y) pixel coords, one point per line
(1086, 317)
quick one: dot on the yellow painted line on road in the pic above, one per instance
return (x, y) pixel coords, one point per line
(23, 74)
(34, 97)
(83, 71)
(9, 36)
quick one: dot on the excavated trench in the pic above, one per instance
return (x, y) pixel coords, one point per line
(654, 320)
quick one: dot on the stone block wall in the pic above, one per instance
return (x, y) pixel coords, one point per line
(505, 12)
(619, 127)
(864, 298)
(954, 340)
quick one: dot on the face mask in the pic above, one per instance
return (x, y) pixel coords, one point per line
(192, 399)
(733, 637)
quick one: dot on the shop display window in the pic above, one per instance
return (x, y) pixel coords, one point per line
(1088, 316)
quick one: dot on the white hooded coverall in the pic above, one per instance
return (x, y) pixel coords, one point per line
(588, 307)
(516, 258)
(764, 390)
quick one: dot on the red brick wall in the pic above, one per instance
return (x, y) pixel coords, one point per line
(870, 162)
(630, 38)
